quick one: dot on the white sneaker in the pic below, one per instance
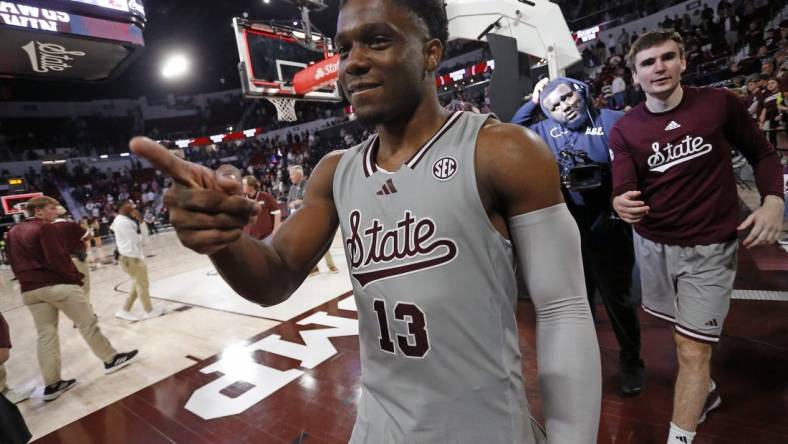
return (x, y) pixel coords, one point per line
(155, 313)
(127, 315)
(18, 395)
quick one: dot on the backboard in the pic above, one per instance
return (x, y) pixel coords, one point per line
(271, 55)
(14, 203)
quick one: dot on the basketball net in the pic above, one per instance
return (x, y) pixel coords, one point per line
(285, 108)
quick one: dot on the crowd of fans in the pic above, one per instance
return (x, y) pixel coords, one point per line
(36, 139)
(586, 13)
(737, 45)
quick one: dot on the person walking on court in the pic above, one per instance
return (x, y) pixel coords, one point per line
(270, 217)
(673, 180)
(50, 283)
(128, 241)
(432, 211)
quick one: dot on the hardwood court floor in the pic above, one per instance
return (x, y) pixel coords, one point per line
(211, 371)
(318, 406)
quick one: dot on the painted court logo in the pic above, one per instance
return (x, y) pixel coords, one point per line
(409, 246)
(665, 158)
(46, 57)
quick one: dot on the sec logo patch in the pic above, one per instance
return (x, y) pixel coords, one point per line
(444, 169)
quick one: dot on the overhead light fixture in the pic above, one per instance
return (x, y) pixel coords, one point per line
(175, 66)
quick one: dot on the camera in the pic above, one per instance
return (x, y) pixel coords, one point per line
(579, 172)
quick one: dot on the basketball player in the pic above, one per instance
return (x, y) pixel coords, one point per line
(433, 210)
(674, 181)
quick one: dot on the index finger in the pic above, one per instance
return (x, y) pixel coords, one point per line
(163, 160)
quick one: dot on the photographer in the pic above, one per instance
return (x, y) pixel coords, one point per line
(577, 135)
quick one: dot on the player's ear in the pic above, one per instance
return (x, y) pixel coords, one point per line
(433, 53)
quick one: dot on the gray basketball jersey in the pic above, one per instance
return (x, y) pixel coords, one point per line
(435, 291)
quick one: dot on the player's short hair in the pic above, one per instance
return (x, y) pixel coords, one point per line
(431, 12)
(652, 39)
(37, 203)
(251, 181)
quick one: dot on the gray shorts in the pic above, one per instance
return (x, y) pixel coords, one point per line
(688, 286)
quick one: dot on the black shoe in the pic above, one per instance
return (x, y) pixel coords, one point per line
(631, 378)
(53, 391)
(713, 401)
(119, 361)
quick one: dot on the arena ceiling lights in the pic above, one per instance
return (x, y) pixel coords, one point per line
(83, 40)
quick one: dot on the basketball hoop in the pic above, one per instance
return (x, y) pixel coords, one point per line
(285, 108)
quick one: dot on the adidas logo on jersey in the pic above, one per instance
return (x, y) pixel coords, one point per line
(712, 323)
(672, 125)
(388, 188)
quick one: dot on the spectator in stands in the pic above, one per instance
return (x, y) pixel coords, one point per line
(600, 51)
(622, 44)
(754, 36)
(13, 430)
(150, 221)
(752, 101)
(695, 19)
(619, 90)
(50, 283)
(270, 216)
(771, 116)
(129, 243)
(611, 45)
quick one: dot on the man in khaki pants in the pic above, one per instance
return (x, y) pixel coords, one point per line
(50, 283)
(128, 240)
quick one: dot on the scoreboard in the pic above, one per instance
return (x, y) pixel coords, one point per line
(109, 8)
(82, 40)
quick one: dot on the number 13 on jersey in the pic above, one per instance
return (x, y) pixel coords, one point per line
(416, 343)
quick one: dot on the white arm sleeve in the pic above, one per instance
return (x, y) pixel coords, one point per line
(547, 243)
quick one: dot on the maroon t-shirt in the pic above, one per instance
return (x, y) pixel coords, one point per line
(37, 257)
(681, 161)
(264, 224)
(5, 336)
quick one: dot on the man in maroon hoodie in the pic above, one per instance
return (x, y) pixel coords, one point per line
(673, 180)
(50, 283)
